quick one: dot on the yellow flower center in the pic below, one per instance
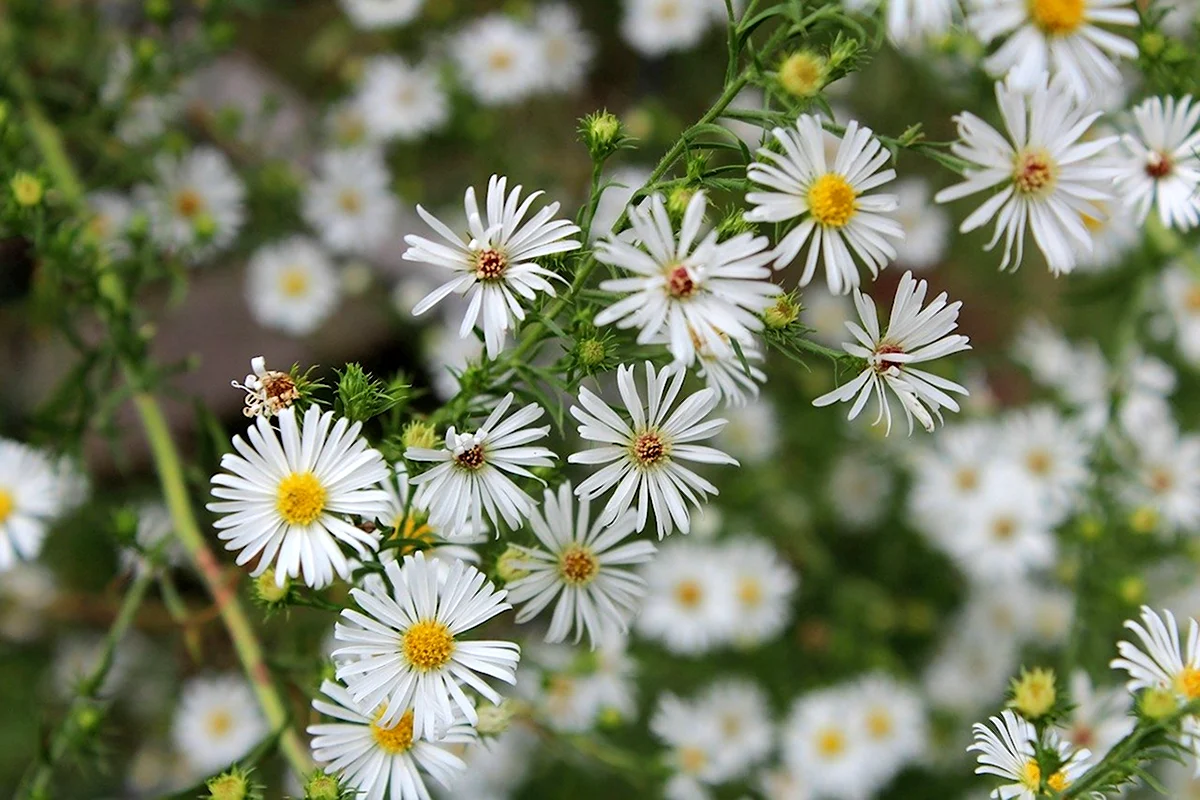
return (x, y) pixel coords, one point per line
(1160, 480)
(1039, 462)
(1191, 300)
(1057, 17)
(879, 723)
(501, 60)
(350, 201)
(578, 566)
(692, 759)
(832, 200)
(1031, 775)
(490, 264)
(1057, 781)
(688, 593)
(188, 203)
(218, 723)
(667, 10)
(966, 479)
(649, 449)
(301, 498)
(749, 591)
(831, 743)
(428, 645)
(1034, 172)
(414, 525)
(1003, 529)
(397, 739)
(293, 282)
(7, 504)
(1187, 683)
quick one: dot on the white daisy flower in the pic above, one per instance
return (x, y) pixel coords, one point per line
(26, 593)
(744, 721)
(109, 221)
(499, 60)
(752, 431)
(839, 219)
(1166, 476)
(400, 101)
(567, 50)
(284, 496)
(406, 653)
(1162, 662)
(495, 266)
(1162, 167)
(154, 541)
(915, 333)
(822, 742)
(373, 14)
(657, 27)
(291, 286)
(697, 294)
(1053, 454)
(469, 478)
(926, 225)
(643, 459)
(380, 761)
(349, 202)
(1006, 533)
(911, 22)
(216, 723)
(1010, 752)
(1050, 177)
(1181, 295)
(690, 605)
(402, 515)
(893, 717)
(32, 495)
(763, 585)
(1099, 718)
(697, 752)
(1061, 37)
(581, 564)
(197, 203)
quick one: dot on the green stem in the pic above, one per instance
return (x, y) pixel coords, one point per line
(37, 781)
(233, 613)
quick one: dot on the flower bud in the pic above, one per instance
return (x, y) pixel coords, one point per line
(603, 134)
(1132, 589)
(506, 567)
(803, 74)
(495, 719)
(1144, 520)
(268, 592)
(782, 313)
(1033, 694)
(229, 786)
(419, 434)
(677, 201)
(591, 352)
(26, 189)
(322, 787)
(1158, 704)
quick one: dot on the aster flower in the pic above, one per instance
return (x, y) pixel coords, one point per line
(408, 522)
(292, 286)
(691, 603)
(909, 22)
(698, 297)
(197, 204)
(469, 478)
(406, 653)
(657, 27)
(31, 496)
(643, 458)
(349, 202)
(1161, 661)
(1050, 179)
(374, 14)
(495, 268)
(822, 742)
(839, 219)
(1062, 38)
(1162, 167)
(1008, 750)
(915, 334)
(383, 762)
(267, 391)
(217, 722)
(283, 498)
(567, 50)
(763, 585)
(579, 564)
(498, 59)
(399, 101)
(109, 221)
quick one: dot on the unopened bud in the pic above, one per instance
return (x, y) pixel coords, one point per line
(268, 590)
(782, 313)
(803, 74)
(1033, 694)
(494, 719)
(602, 133)
(322, 787)
(27, 190)
(506, 567)
(677, 201)
(1158, 704)
(591, 352)
(229, 786)
(1132, 589)
(419, 434)
(1144, 520)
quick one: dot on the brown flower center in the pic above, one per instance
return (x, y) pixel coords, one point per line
(490, 264)
(1034, 172)
(649, 449)
(473, 458)
(680, 282)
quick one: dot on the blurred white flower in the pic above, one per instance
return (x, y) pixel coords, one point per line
(32, 494)
(751, 432)
(348, 202)
(372, 14)
(26, 592)
(399, 101)
(197, 203)
(496, 766)
(567, 50)
(926, 225)
(657, 27)
(109, 221)
(154, 537)
(697, 752)
(216, 722)
(822, 742)
(1166, 476)
(499, 60)
(893, 717)
(619, 188)
(1052, 452)
(690, 606)
(291, 286)
(1162, 164)
(1181, 295)
(859, 490)
(763, 585)
(1099, 718)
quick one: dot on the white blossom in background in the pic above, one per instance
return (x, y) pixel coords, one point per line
(1161, 167)
(1181, 296)
(696, 754)
(216, 723)
(495, 268)
(110, 216)
(27, 591)
(840, 220)
(751, 433)
(349, 202)
(860, 490)
(446, 355)
(404, 651)
(893, 718)
(283, 497)
(1053, 453)
(154, 541)
(196, 204)
(642, 460)
(499, 60)
(374, 14)
(292, 286)
(580, 567)
(567, 49)
(401, 101)
(1165, 476)
(763, 585)
(926, 225)
(1061, 38)
(1114, 235)
(744, 718)
(1008, 750)
(383, 762)
(655, 28)
(690, 606)
(915, 334)
(619, 188)
(32, 495)
(697, 292)
(1049, 177)
(496, 766)
(1099, 717)
(911, 22)
(469, 477)
(822, 742)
